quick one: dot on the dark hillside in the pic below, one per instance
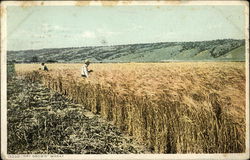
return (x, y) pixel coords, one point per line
(216, 50)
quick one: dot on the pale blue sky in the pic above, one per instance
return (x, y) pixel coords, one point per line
(72, 26)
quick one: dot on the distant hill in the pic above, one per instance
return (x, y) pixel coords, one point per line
(215, 50)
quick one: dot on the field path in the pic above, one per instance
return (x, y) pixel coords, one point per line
(43, 121)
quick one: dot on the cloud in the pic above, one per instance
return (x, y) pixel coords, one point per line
(88, 34)
(60, 28)
(133, 27)
(106, 33)
(53, 28)
(99, 33)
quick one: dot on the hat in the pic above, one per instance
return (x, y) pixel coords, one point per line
(86, 61)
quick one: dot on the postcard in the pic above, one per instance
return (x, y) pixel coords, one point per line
(124, 80)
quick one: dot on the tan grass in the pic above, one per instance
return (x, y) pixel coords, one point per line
(170, 107)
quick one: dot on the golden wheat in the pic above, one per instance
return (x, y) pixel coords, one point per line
(170, 107)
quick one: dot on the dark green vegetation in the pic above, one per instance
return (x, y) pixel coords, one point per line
(216, 50)
(45, 122)
(10, 70)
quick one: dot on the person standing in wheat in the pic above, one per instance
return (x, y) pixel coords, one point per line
(44, 67)
(85, 71)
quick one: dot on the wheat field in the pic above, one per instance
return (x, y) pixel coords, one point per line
(186, 107)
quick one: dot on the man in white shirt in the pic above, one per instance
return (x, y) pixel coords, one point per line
(85, 71)
(44, 67)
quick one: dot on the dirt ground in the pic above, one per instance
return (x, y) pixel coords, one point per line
(43, 121)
